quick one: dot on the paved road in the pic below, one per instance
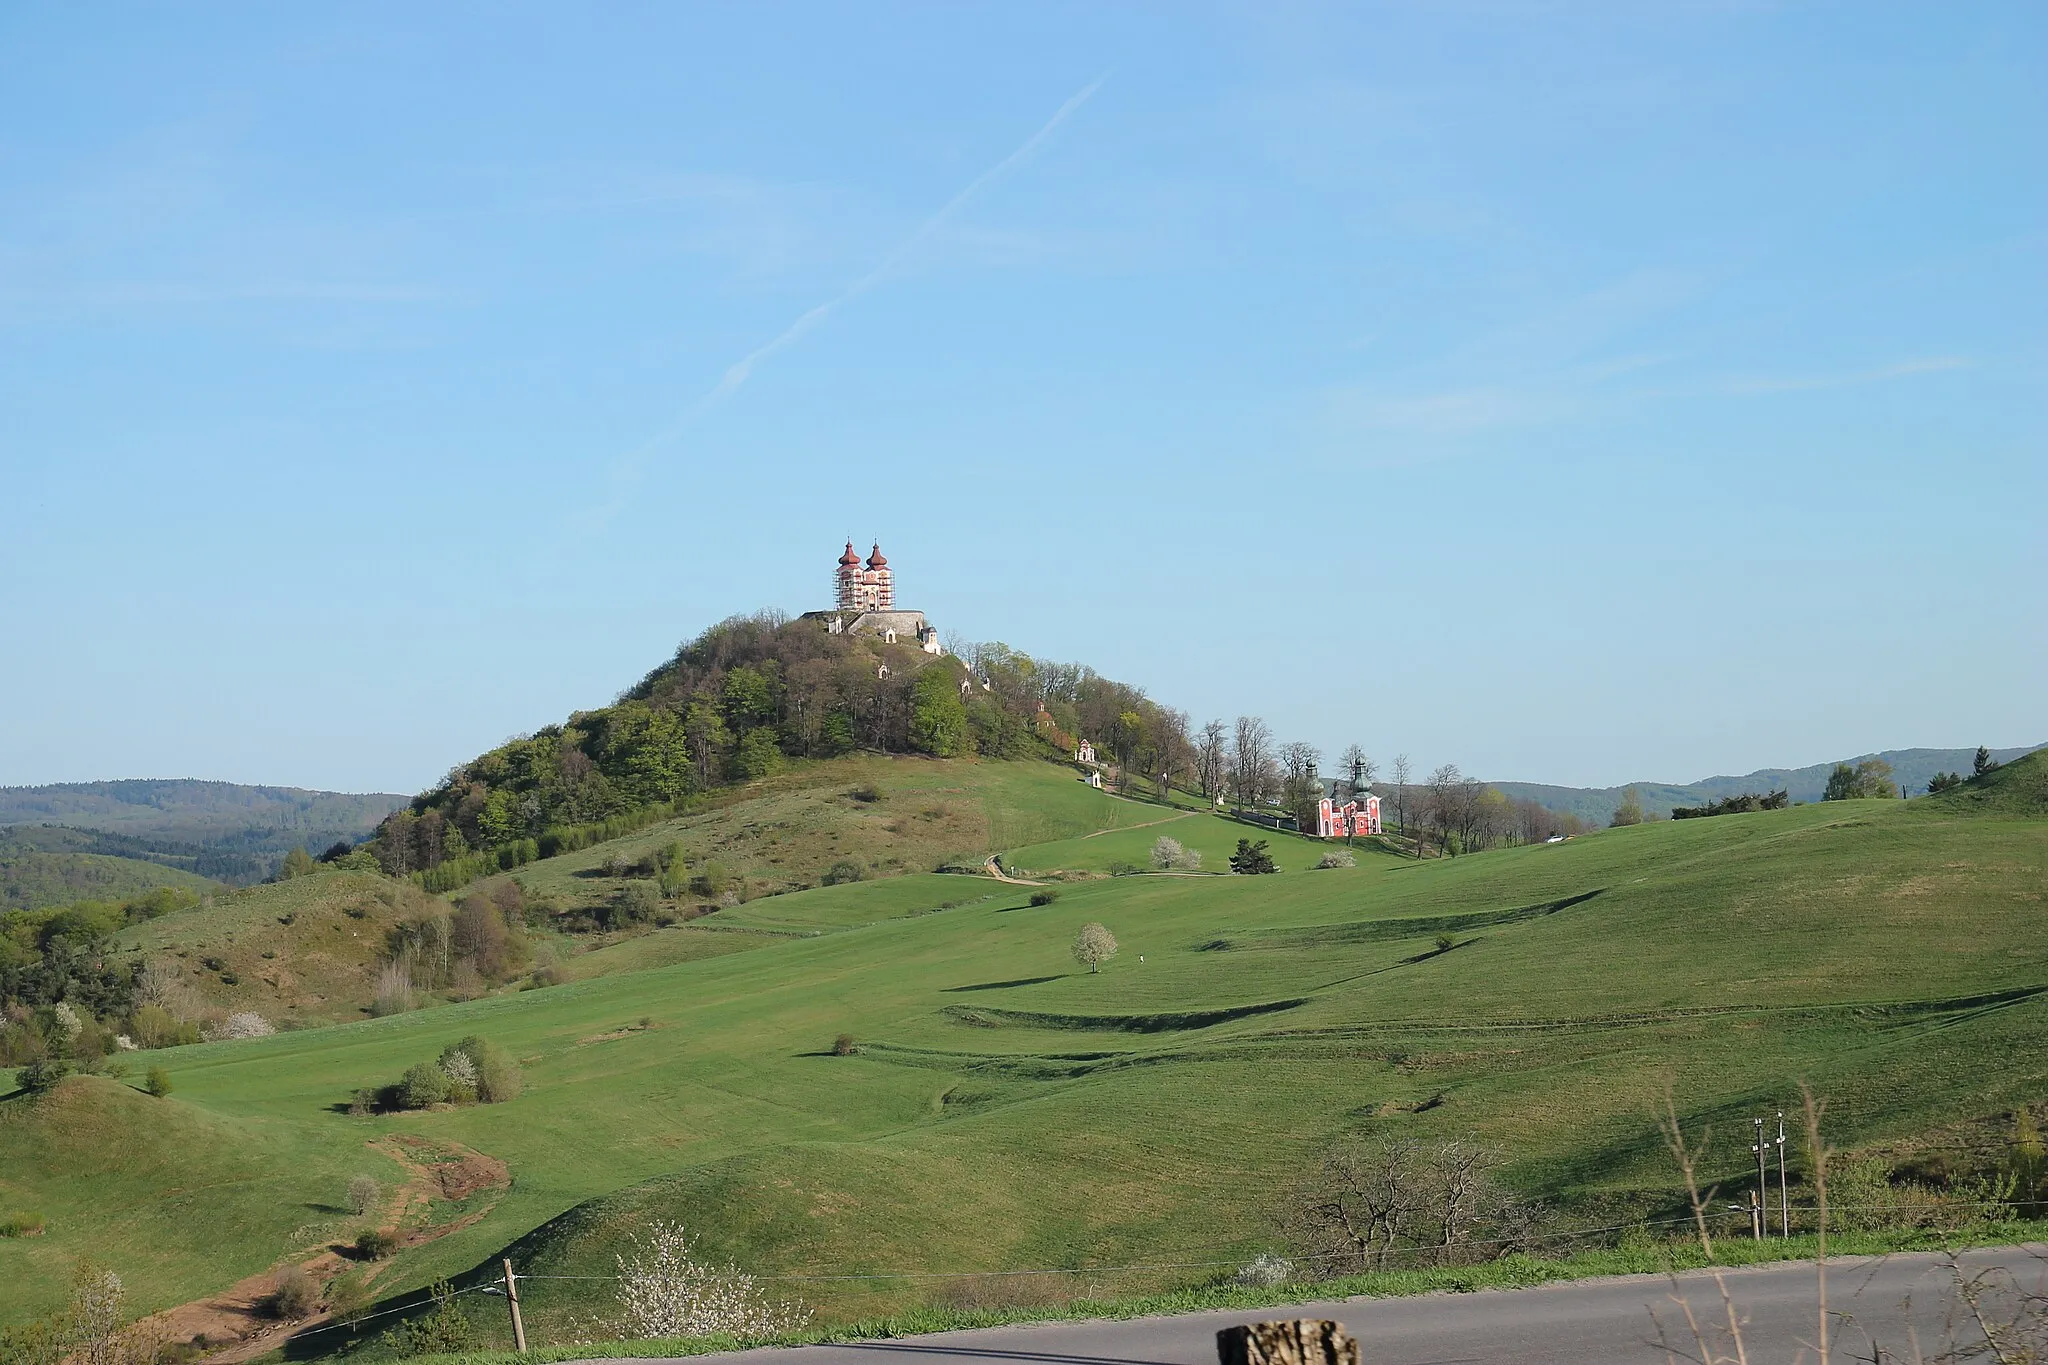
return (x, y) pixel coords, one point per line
(1593, 1322)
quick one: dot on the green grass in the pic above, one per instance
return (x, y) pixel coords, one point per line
(1213, 836)
(1009, 1109)
(786, 832)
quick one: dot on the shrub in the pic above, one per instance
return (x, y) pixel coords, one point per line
(636, 902)
(241, 1024)
(21, 1225)
(1252, 859)
(1337, 857)
(40, 1076)
(1266, 1271)
(444, 1331)
(1446, 942)
(481, 1070)
(363, 1103)
(423, 1086)
(867, 793)
(665, 1292)
(374, 1244)
(349, 1299)
(296, 1296)
(1169, 854)
(363, 1193)
(712, 879)
(157, 1082)
(154, 1026)
(844, 1046)
(1124, 869)
(1045, 897)
(844, 871)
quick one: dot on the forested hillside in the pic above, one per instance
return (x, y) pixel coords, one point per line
(734, 705)
(220, 830)
(42, 866)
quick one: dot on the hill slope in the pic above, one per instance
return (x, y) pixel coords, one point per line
(1914, 768)
(1008, 1109)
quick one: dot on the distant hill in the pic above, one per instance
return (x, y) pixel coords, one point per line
(220, 830)
(52, 866)
(1915, 768)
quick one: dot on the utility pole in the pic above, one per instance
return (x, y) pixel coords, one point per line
(512, 1299)
(1784, 1201)
(1760, 1206)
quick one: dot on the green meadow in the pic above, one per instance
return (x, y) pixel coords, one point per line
(1008, 1109)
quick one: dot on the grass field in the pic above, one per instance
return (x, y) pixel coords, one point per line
(1009, 1109)
(1213, 836)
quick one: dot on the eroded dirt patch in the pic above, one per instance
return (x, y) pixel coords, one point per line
(236, 1325)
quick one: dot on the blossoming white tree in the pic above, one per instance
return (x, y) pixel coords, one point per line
(1093, 946)
(664, 1291)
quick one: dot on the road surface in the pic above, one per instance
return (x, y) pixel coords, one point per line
(1590, 1322)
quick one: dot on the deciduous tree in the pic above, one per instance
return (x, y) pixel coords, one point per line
(1251, 761)
(1211, 754)
(1093, 946)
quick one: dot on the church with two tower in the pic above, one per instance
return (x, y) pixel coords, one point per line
(865, 593)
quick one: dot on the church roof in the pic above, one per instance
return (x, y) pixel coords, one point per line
(875, 560)
(849, 557)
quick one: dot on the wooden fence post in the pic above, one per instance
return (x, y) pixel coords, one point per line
(512, 1298)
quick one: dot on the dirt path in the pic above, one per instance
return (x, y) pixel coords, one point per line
(234, 1325)
(1147, 824)
(995, 870)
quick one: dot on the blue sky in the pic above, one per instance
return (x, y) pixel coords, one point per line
(1576, 393)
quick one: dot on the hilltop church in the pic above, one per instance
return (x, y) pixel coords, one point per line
(866, 596)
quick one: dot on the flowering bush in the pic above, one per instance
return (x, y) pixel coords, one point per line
(666, 1292)
(243, 1024)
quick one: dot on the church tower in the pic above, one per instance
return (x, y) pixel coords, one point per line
(881, 580)
(847, 581)
(865, 587)
(865, 595)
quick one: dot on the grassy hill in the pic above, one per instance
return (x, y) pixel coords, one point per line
(298, 952)
(54, 866)
(1914, 768)
(1009, 1109)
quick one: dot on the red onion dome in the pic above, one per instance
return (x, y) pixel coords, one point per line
(849, 557)
(875, 560)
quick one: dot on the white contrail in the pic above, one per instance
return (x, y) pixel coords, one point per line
(738, 374)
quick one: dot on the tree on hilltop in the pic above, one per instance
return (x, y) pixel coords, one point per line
(1983, 763)
(1630, 811)
(1869, 779)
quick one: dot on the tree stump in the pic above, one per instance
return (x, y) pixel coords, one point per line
(1309, 1341)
